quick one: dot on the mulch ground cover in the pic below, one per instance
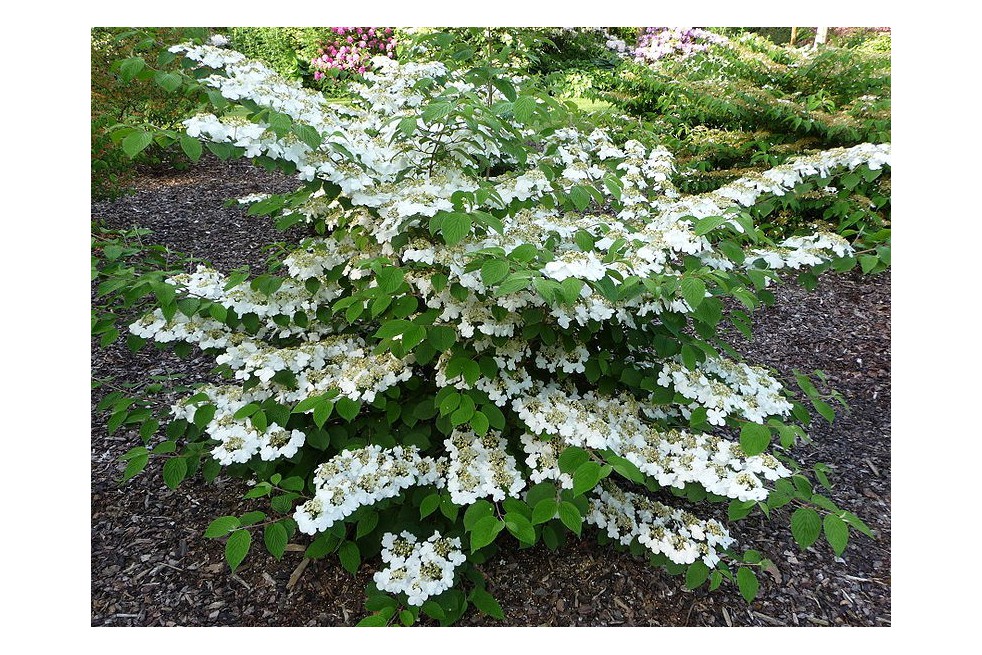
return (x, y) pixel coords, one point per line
(152, 566)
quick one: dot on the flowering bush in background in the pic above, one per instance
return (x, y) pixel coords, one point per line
(353, 50)
(503, 326)
(658, 42)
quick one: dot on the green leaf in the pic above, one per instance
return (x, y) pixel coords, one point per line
(754, 438)
(544, 510)
(275, 539)
(857, 523)
(129, 68)
(738, 509)
(308, 135)
(347, 408)
(192, 148)
(520, 527)
(441, 337)
(708, 224)
(350, 556)
(486, 603)
(175, 470)
(868, 262)
(507, 89)
(436, 111)
(378, 620)
(237, 547)
(571, 458)
(694, 291)
(366, 524)
(585, 477)
(221, 526)
(292, 483)
(484, 532)
(455, 227)
(170, 82)
(136, 142)
(477, 511)
(580, 196)
(836, 533)
(494, 271)
(824, 409)
(429, 505)
(322, 545)
(570, 515)
(696, 574)
(523, 108)
(135, 465)
(806, 526)
(747, 582)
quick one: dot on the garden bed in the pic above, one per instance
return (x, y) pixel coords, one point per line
(151, 564)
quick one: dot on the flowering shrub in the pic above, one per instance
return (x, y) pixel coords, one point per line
(353, 49)
(504, 327)
(658, 42)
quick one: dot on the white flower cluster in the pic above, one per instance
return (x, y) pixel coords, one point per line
(680, 536)
(480, 467)
(419, 569)
(361, 477)
(727, 388)
(796, 252)
(672, 457)
(543, 460)
(238, 440)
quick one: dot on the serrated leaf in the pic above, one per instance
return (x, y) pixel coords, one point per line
(175, 470)
(192, 148)
(693, 290)
(378, 620)
(129, 68)
(477, 511)
(754, 438)
(484, 532)
(436, 111)
(136, 142)
(836, 533)
(170, 82)
(429, 505)
(523, 108)
(520, 527)
(806, 526)
(824, 409)
(494, 271)
(696, 574)
(308, 135)
(571, 458)
(544, 510)
(237, 547)
(455, 227)
(135, 466)
(350, 556)
(347, 408)
(441, 337)
(570, 515)
(708, 224)
(275, 539)
(585, 477)
(486, 603)
(221, 526)
(747, 582)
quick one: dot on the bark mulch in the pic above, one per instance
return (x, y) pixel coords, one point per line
(152, 566)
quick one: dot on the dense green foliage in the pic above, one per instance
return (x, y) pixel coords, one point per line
(130, 92)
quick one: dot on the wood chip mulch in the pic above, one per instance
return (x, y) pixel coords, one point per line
(152, 566)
